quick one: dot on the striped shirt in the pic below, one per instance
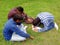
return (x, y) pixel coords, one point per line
(47, 19)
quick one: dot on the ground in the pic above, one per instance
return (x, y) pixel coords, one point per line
(32, 8)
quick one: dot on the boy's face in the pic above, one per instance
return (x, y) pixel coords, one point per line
(18, 22)
(29, 20)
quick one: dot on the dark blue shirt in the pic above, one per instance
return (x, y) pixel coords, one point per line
(11, 27)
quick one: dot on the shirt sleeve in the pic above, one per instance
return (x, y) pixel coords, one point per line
(42, 29)
(11, 14)
(19, 32)
(45, 28)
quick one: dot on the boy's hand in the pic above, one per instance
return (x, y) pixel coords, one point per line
(34, 29)
(31, 37)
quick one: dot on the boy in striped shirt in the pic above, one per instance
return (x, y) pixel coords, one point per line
(45, 19)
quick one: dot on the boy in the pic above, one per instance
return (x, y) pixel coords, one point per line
(11, 31)
(19, 10)
(45, 20)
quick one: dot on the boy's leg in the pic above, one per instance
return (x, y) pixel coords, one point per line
(55, 25)
(16, 37)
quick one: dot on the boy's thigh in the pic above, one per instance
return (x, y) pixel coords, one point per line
(16, 37)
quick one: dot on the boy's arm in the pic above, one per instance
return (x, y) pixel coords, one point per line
(21, 33)
(38, 29)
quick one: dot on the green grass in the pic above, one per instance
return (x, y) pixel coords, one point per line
(32, 8)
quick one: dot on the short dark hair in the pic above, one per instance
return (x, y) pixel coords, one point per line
(36, 21)
(17, 17)
(20, 9)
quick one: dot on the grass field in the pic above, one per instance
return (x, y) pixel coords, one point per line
(32, 8)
